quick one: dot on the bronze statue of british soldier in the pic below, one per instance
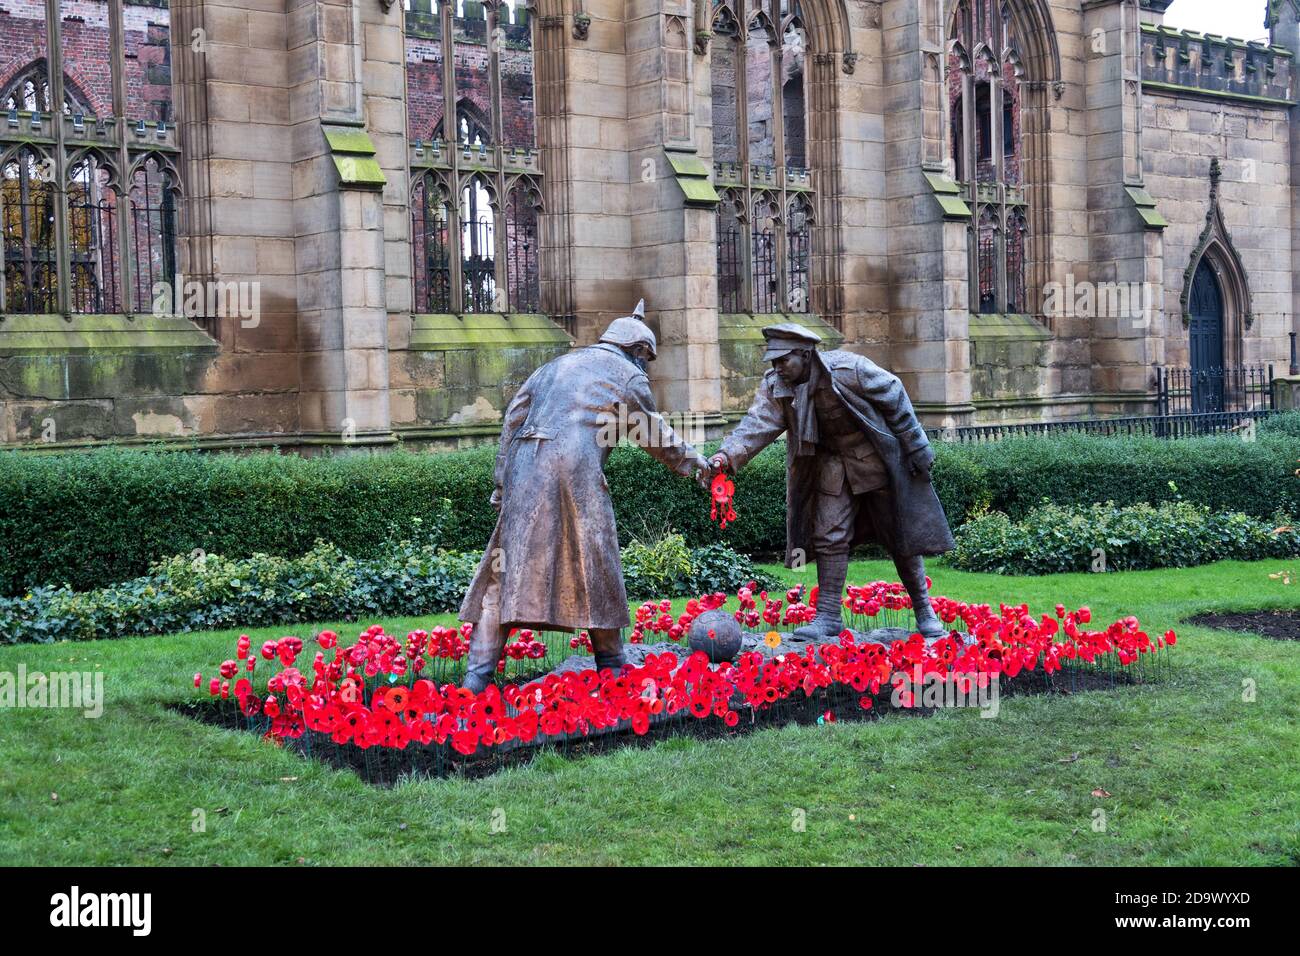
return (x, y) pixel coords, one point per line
(553, 560)
(858, 468)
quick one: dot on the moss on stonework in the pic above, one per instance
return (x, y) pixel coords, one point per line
(473, 364)
(101, 357)
(438, 332)
(1008, 356)
(100, 333)
(1007, 326)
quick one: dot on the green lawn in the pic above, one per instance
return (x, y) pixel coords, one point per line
(1196, 775)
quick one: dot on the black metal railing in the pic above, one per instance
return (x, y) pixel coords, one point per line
(1188, 403)
(1210, 391)
(1152, 426)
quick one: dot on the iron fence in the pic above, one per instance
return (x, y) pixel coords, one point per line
(1191, 391)
(1189, 403)
(1153, 426)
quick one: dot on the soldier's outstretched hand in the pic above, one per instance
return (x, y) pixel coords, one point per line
(921, 461)
(719, 463)
(700, 469)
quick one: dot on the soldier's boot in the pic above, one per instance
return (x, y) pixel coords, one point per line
(486, 644)
(607, 646)
(832, 570)
(911, 572)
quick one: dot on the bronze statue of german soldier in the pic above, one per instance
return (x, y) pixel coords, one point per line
(553, 560)
(858, 468)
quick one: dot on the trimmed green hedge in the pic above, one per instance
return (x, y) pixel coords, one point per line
(1056, 539)
(1223, 473)
(91, 519)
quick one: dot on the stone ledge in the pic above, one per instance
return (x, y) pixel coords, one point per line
(354, 154)
(949, 196)
(279, 441)
(1007, 326)
(1197, 92)
(1146, 207)
(692, 176)
(745, 326)
(54, 334)
(442, 332)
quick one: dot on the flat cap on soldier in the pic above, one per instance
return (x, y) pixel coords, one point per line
(787, 337)
(630, 330)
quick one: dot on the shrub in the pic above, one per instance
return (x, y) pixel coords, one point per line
(87, 520)
(666, 566)
(90, 519)
(1224, 473)
(184, 593)
(1054, 538)
(654, 567)
(1286, 423)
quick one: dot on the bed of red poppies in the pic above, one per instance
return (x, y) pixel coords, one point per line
(371, 693)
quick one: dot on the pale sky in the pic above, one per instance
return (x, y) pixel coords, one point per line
(1243, 19)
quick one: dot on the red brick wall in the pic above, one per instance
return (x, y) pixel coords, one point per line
(87, 64)
(148, 63)
(22, 37)
(86, 57)
(424, 95)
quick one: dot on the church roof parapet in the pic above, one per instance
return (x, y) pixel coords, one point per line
(1206, 63)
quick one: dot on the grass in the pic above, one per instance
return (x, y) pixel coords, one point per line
(1196, 775)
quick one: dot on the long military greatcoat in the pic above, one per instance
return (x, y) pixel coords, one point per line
(558, 554)
(878, 402)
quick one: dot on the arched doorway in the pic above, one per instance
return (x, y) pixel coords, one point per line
(1205, 328)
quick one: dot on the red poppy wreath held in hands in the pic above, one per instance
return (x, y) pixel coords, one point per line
(723, 492)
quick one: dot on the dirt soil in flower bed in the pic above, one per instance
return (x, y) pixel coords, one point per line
(386, 767)
(1279, 625)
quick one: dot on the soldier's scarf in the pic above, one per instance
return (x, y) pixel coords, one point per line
(804, 435)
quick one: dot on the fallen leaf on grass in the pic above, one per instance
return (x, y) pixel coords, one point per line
(1070, 759)
(1100, 793)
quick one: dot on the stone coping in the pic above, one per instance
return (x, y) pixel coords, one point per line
(1177, 90)
(55, 334)
(440, 332)
(1007, 326)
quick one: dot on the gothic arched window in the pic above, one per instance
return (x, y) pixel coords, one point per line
(760, 156)
(88, 188)
(986, 91)
(476, 194)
